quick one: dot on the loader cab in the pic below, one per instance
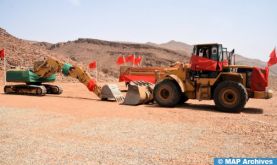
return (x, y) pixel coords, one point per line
(207, 60)
(209, 51)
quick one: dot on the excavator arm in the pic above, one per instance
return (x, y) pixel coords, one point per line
(51, 66)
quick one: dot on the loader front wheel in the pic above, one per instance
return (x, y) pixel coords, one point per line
(183, 99)
(230, 96)
(167, 93)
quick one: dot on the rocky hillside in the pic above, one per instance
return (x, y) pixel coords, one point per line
(106, 52)
(22, 53)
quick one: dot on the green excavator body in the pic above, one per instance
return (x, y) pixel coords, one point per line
(27, 76)
(29, 83)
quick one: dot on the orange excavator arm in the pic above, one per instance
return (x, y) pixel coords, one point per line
(51, 66)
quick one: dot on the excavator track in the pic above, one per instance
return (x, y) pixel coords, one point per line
(53, 89)
(35, 90)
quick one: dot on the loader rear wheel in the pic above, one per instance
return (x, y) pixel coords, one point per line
(230, 96)
(167, 93)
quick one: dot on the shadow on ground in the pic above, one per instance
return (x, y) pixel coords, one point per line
(71, 97)
(188, 106)
(210, 108)
(253, 110)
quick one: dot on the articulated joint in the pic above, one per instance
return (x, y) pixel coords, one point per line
(66, 68)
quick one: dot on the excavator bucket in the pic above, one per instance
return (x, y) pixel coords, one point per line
(111, 91)
(139, 92)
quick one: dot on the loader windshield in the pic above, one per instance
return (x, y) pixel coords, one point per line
(210, 51)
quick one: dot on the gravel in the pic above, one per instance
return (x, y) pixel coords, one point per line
(30, 136)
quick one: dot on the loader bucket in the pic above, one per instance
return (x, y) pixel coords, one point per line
(111, 91)
(138, 93)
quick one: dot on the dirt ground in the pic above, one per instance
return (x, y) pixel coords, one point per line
(77, 128)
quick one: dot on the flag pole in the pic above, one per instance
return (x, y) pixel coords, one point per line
(4, 70)
(97, 72)
(134, 60)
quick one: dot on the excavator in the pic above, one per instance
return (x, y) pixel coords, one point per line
(33, 81)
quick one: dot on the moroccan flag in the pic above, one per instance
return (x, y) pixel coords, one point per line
(273, 58)
(2, 54)
(130, 58)
(120, 60)
(138, 60)
(92, 65)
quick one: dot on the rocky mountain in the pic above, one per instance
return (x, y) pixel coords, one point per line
(180, 47)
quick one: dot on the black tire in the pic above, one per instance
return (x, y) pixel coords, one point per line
(183, 99)
(230, 96)
(167, 93)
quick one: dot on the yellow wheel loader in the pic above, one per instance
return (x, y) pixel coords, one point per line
(210, 75)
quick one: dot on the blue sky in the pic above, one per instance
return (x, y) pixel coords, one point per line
(249, 26)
